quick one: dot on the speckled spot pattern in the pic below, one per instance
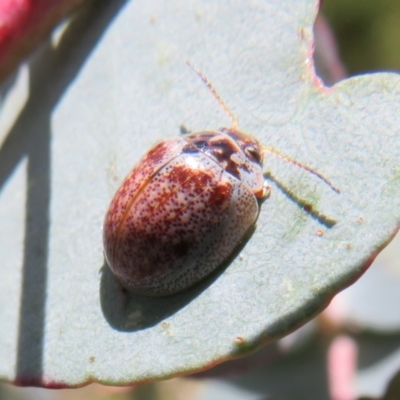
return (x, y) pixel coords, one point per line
(182, 211)
(136, 180)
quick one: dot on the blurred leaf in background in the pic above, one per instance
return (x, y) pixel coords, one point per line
(367, 32)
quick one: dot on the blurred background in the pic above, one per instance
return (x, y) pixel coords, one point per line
(367, 33)
(353, 348)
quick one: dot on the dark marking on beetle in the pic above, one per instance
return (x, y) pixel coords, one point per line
(220, 148)
(200, 144)
(157, 152)
(181, 249)
(200, 180)
(254, 153)
(249, 146)
(233, 168)
(182, 175)
(244, 167)
(179, 174)
(221, 194)
(191, 148)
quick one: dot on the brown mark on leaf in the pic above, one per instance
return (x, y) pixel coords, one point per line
(308, 208)
(239, 340)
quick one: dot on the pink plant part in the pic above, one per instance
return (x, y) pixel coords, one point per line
(342, 367)
(24, 24)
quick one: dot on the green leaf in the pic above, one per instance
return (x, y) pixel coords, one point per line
(106, 90)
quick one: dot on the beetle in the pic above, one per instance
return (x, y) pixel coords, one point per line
(186, 207)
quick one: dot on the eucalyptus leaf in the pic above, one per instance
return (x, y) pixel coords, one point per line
(111, 84)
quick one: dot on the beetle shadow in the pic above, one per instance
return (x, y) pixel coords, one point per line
(323, 219)
(129, 312)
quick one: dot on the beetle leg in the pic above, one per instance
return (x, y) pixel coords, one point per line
(184, 130)
(264, 193)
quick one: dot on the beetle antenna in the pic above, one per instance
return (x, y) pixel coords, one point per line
(299, 164)
(232, 116)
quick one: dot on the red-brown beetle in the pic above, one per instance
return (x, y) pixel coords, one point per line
(185, 207)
